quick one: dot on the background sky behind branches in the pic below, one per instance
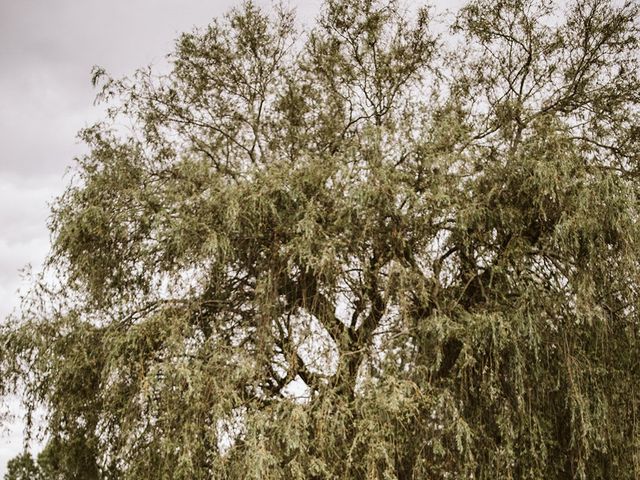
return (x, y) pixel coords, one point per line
(47, 49)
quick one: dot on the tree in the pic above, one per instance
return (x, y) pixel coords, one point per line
(21, 467)
(359, 251)
(57, 461)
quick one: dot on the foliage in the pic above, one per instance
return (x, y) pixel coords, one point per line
(21, 467)
(358, 251)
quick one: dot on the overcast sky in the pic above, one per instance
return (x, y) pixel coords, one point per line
(47, 49)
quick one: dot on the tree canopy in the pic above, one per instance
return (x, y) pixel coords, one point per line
(361, 250)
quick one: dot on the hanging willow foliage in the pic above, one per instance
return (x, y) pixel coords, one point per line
(359, 251)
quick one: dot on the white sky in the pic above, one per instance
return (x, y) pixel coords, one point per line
(47, 49)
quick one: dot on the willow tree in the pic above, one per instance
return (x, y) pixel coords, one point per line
(355, 251)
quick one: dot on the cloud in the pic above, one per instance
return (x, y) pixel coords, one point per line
(24, 238)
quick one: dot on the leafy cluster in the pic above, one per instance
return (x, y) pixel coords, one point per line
(359, 251)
